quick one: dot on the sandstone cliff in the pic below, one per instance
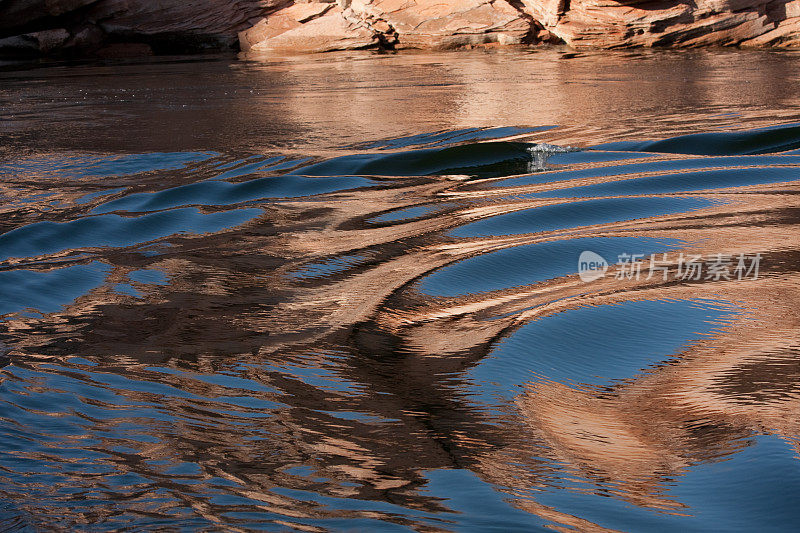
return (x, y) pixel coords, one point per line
(109, 27)
(161, 26)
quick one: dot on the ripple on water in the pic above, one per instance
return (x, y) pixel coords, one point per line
(531, 263)
(43, 238)
(579, 213)
(357, 340)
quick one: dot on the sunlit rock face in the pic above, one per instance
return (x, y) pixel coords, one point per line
(135, 27)
(319, 26)
(430, 24)
(617, 24)
(313, 27)
(578, 23)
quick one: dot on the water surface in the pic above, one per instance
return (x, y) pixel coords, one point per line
(341, 293)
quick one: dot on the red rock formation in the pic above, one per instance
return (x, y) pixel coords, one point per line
(86, 26)
(578, 23)
(47, 26)
(311, 27)
(618, 24)
(319, 26)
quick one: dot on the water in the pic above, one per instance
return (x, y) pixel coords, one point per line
(343, 293)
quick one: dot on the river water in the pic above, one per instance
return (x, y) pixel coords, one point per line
(494, 290)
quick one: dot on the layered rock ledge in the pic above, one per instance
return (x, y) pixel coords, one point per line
(135, 27)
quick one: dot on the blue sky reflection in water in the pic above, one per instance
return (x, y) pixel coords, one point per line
(325, 308)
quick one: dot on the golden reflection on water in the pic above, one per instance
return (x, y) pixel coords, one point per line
(317, 103)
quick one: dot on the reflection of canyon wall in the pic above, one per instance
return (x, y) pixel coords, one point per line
(249, 302)
(113, 26)
(594, 97)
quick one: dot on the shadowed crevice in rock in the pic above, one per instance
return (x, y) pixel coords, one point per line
(536, 32)
(125, 27)
(21, 17)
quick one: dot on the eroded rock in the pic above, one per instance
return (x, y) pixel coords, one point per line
(624, 24)
(282, 21)
(330, 31)
(451, 23)
(578, 23)
(175, 26)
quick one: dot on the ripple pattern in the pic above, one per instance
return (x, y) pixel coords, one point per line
(398, 336)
